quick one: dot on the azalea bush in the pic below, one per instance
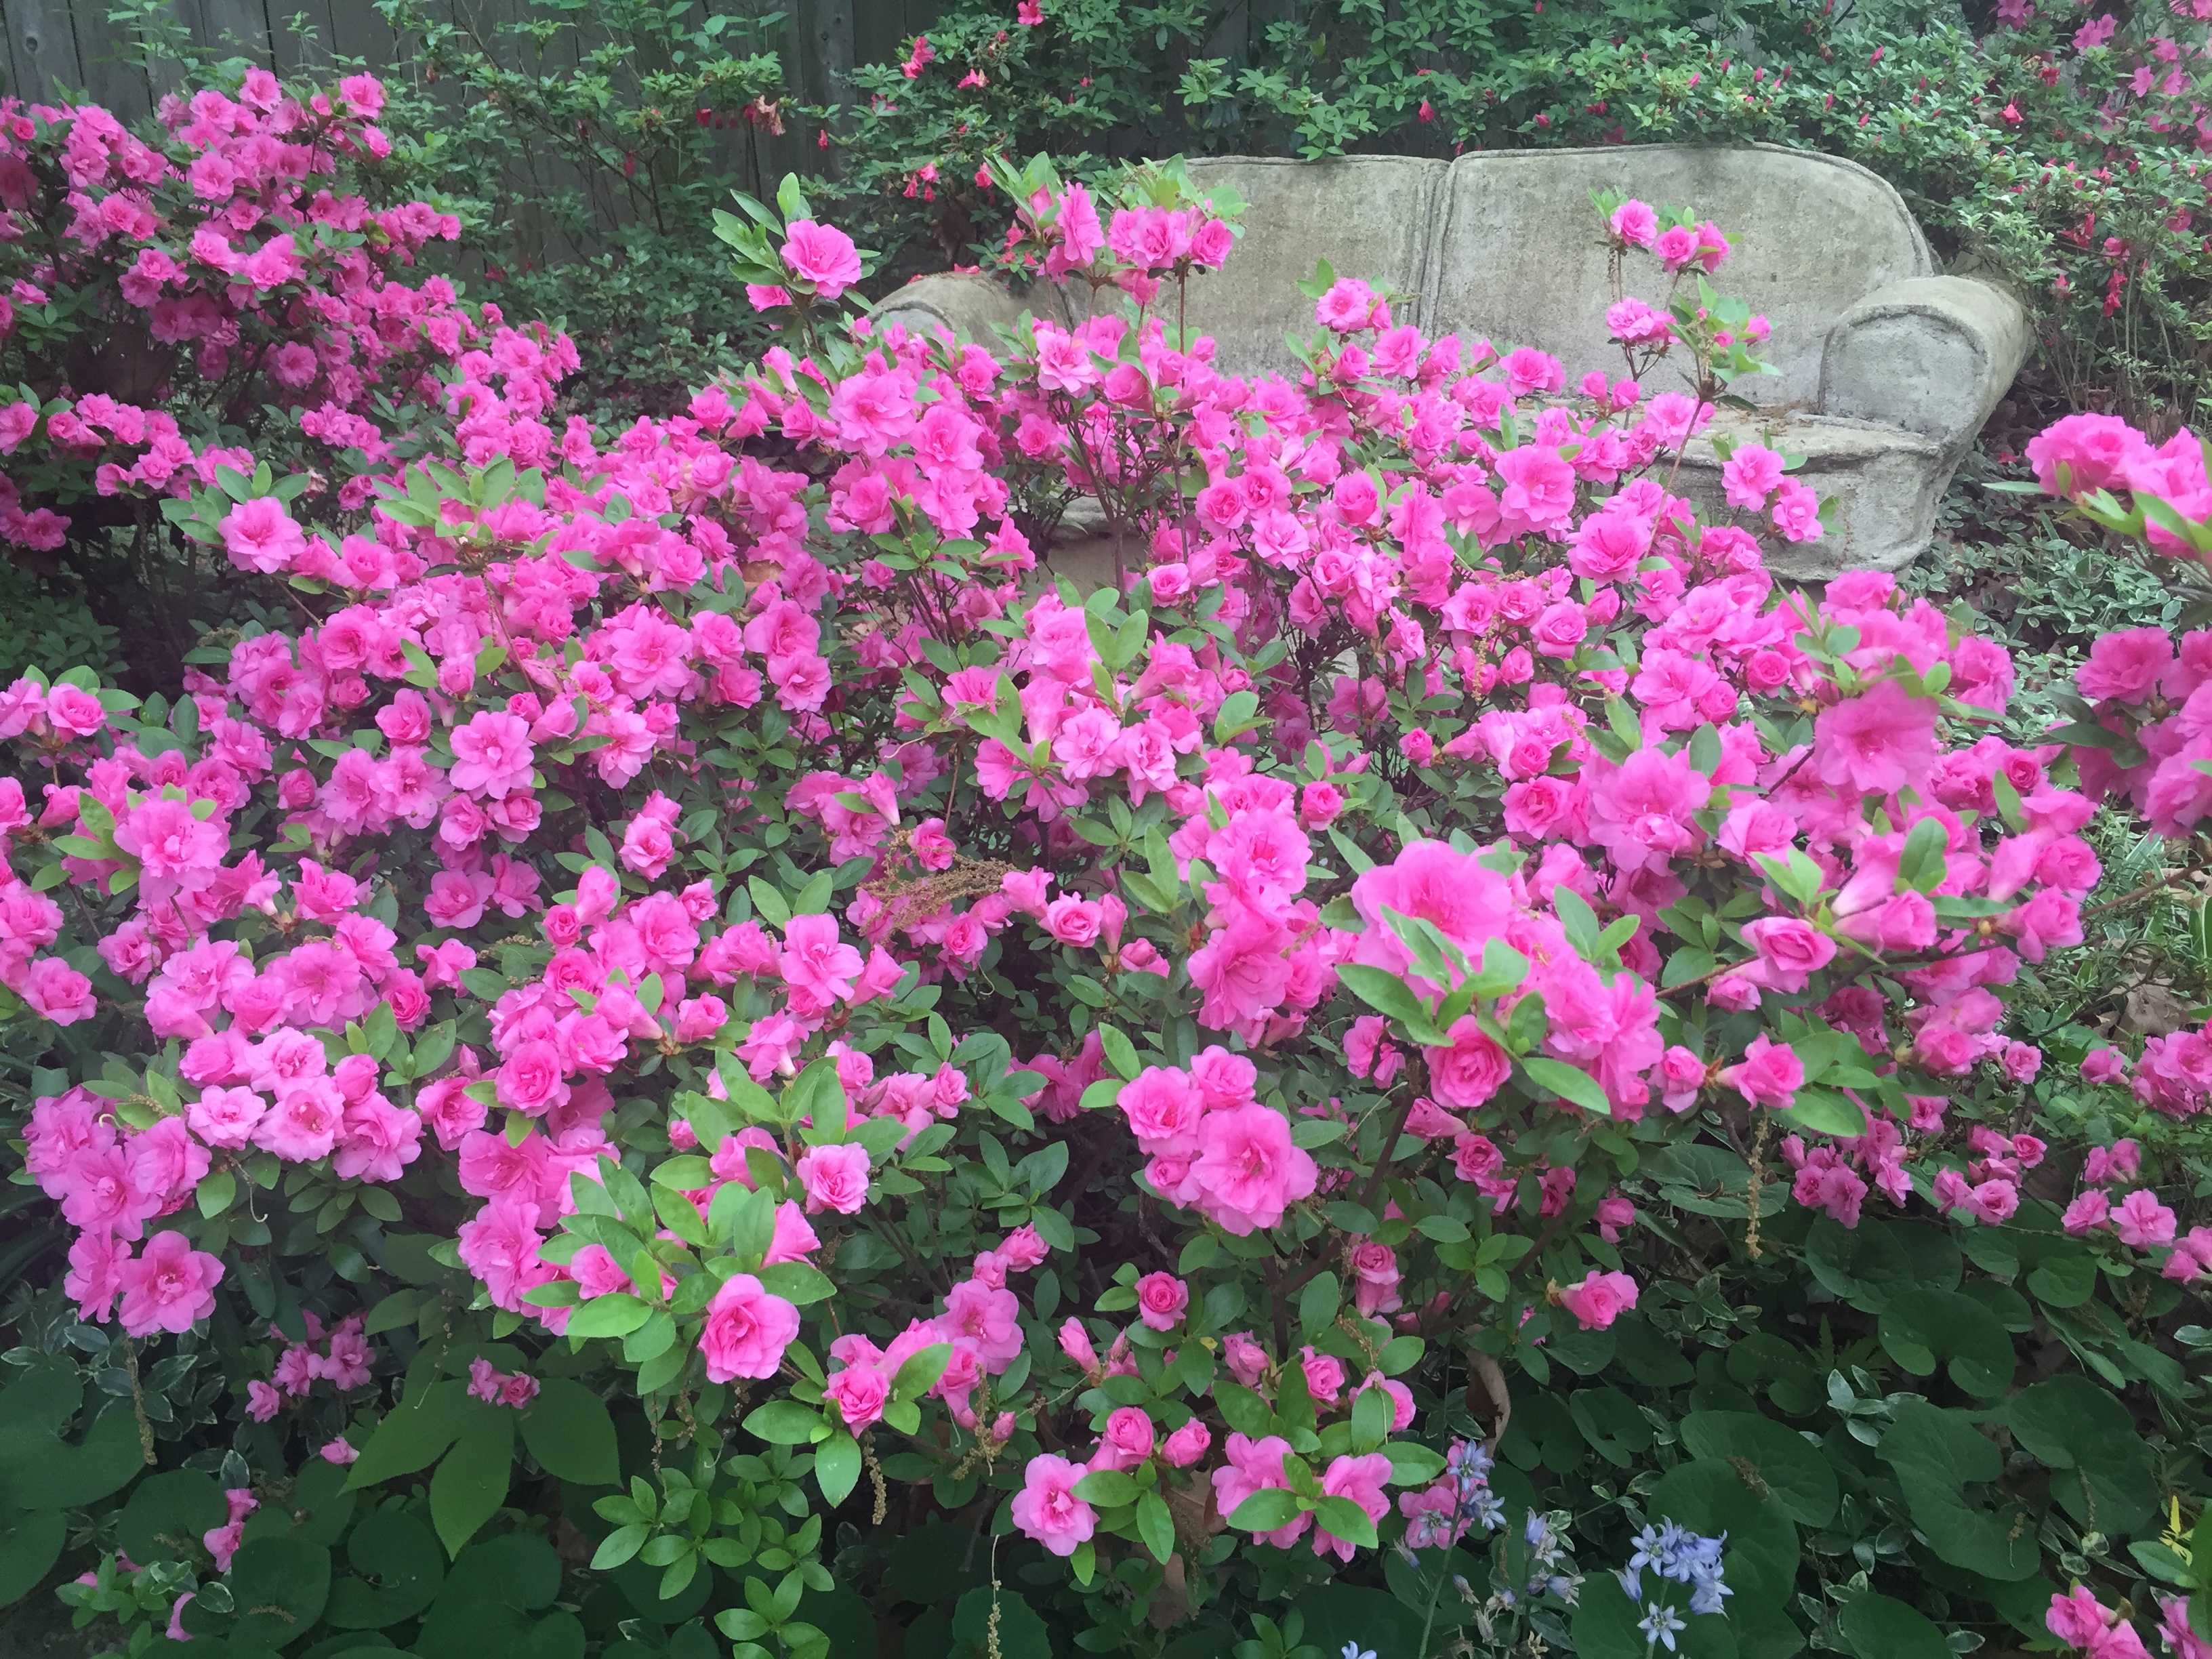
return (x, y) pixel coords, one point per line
(231, 288)
(680, 1046)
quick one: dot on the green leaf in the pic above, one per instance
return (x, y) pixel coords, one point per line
(216, 1192)
(1317, 1304)
(1121, 1053)
(570, 1433)
(797, 1282)
(1938, 1456)
(1108, 1488)
(1864, 1265)
(280, 1586)
(1385, 992)
(1269, 1509)
(401, 1556)
(1243, 1410)
(1344, 1519)
(1922, 866)
(471, 1481)
(616, 1314)
(1883, 1628)
(1412, 1464)
(1022, 1634)
(784, 1423)
(1921, 1327)
(1795, 1472)
(1711, 1498)
(620, 1546)
(1823, 1111)
(412, 1436)
(1569, 1082)
(837, 1467)
(2104, 1473)
(918, 1374)
(1156, 1526)
(29, 1545)
(166, 1515)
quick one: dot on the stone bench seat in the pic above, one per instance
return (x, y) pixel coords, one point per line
(1887, 369)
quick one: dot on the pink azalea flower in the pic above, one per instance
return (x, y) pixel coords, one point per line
(1047, 1508)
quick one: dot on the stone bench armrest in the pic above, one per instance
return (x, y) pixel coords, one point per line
(1932, 355)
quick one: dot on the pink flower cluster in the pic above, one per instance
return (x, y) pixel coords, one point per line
(238, 245)
(980, 1325)
(340, 1356)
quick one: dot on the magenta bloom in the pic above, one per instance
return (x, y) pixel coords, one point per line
(821, 255)
(2125, 665)
(747, 1330)
(1248, 1171)
(170, 1287)
(1161, 1298)
(815, 961)
(1875, 743)
(1600, 1299)
(1470, 1071)
(260, 536)
(492, 755)
(1362, 1480)
(1187, 1444)
(2141, 1221)
(860, 1392)
(1634, 221)
(835, 1177)
(1047, 1510)
(2096, 451)
(1256, 1466)
(1770, 1073)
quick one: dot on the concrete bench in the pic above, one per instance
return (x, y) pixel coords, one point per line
(1887, 369)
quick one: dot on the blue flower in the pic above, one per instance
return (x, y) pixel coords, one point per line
(1660, 1622)
(1708, 1594)
(1352, 1650)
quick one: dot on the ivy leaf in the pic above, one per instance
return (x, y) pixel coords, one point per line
(281, 1586)
(400, 1555)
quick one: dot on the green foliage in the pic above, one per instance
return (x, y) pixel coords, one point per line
(586, 146)
(43, 621)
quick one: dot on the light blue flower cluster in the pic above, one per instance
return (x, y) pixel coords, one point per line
(1675, 1556)
(1441, 1514)
(1547, 1555)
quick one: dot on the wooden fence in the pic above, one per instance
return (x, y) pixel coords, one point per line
(57, 46)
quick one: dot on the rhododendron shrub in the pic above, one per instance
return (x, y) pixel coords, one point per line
(691, 955)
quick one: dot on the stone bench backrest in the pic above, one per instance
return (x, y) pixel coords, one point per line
(1506, 244)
